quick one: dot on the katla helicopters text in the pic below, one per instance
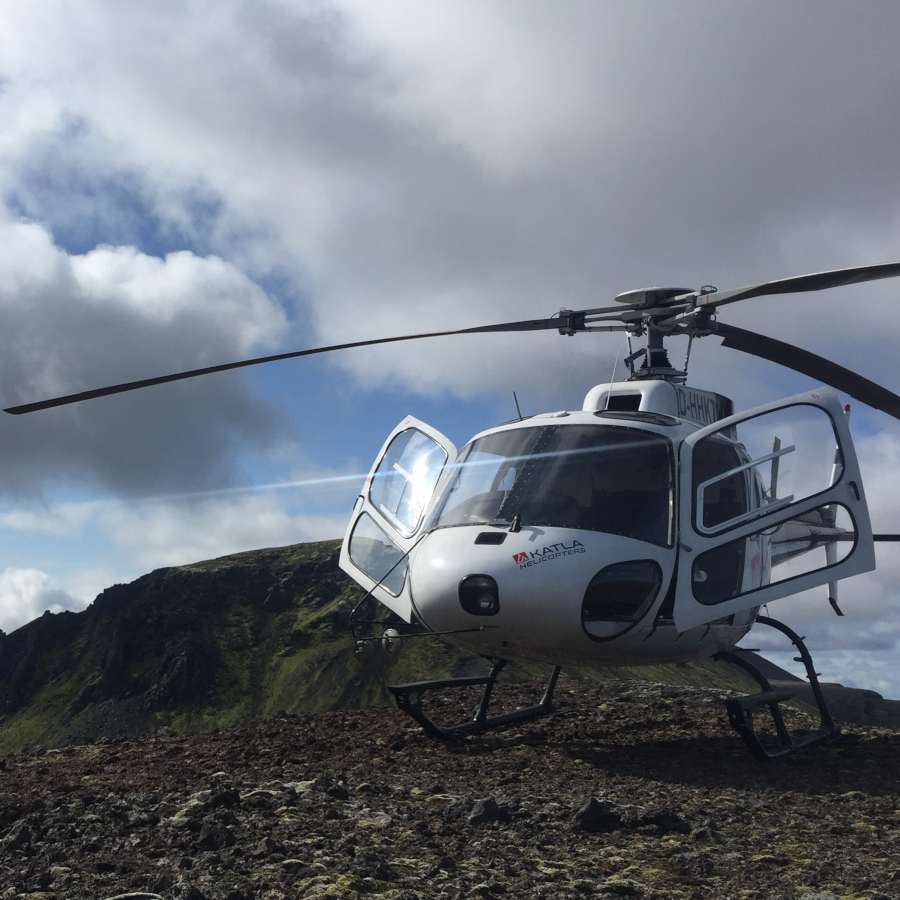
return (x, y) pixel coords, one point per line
(649, 526)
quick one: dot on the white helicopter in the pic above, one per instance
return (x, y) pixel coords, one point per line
(650, 526)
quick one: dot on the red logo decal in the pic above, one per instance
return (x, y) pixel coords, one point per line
(520, 557)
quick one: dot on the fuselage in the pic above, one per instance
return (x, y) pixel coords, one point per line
(556, 538)
(585, 574)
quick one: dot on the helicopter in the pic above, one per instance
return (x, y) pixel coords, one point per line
(650, 526)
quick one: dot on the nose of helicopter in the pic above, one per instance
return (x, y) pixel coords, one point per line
(532, 593)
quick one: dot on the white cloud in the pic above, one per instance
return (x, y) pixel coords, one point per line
(47, 289)
(26, 594)
(179, 287)
(136, 536)
(62, 520)
(506, 88)
(177, 530)
(127, 538)
(85, 584)
(160, 534)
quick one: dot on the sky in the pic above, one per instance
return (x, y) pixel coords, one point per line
(184, 183)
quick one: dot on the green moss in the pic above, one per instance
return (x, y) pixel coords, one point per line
(347, 886)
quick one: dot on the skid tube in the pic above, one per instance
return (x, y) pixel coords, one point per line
(741, 709)
(409, 699)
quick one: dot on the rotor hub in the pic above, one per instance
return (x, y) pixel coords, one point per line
(652, 296)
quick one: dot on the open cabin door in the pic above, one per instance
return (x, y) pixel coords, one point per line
(389, 514)
(775, 513)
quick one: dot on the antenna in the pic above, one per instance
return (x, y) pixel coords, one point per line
(518, 411)
(612, 378)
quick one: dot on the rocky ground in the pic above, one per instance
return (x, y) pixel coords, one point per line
(634, 790)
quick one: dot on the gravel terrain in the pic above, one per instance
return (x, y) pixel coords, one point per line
(633, 790)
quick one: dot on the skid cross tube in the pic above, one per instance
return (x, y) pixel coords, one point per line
(409, 699)
(741, 709)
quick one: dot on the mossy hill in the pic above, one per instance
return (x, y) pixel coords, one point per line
(221, 643)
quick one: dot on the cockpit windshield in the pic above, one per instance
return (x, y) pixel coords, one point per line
(613, 479)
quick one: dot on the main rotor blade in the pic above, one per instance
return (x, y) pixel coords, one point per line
(810, 364)
(528, 325)
(818, 281)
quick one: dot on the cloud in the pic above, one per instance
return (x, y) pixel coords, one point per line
(126, 538)
(63, 520)
(156, 534)
(25, 594)
(179, 529)
(116, 314)
(462, 163)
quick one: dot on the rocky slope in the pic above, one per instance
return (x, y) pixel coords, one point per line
(635, 790)
(193, 648)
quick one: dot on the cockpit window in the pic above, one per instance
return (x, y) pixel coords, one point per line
(613, 479)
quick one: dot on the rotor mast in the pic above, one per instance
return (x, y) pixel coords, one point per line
(648, 314)
(656, 362)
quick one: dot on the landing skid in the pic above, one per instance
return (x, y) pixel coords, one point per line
(409, 698)
(741, 709)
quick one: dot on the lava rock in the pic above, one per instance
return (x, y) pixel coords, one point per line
(665, 820)
(225, 798)
(214, 836)
(488, 810)
(368, 864)
(337, 792)
(597, 817)
(693, 864)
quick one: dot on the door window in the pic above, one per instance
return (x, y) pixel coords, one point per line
(405, 478)
(807, 543)
(377, 555)
(773, 505)
(783, 457)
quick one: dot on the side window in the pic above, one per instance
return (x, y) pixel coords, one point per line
(783, 457)
(405, 479)
(618, 597)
